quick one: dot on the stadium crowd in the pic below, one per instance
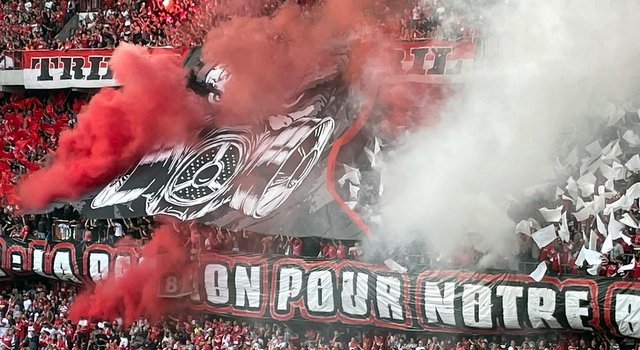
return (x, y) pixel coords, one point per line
(34, 315)
(38, 24)
(30, 127)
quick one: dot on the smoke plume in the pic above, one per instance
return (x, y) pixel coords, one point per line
(135, 293)
(552, 63)
(119, 126)
(270, 57)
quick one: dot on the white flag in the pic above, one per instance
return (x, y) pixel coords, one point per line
(607, 245)
(615, 230)
(544, 236)
(608, 185)
(551, 215)
(583, 214)
(629, 221)
(593, 270)
(579, 204)
(592, 257)
(612, 150)
(524, 226)
(634, 163)
(593, 240)
(614, 227)
(538, 274)
(351, 174)
(594, 148)
(632, 139)
(572, 187)
(600, 226)
(628, 267)
(563, 232)
(353, 191)
(633, 192)
(395, 266)
(587, 184)
(623, 202)
(598, 204)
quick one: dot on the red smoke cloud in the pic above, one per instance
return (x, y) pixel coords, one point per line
(136, 293)
(119, 126)
(268, 57)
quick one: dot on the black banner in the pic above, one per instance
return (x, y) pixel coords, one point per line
(355, 293)
(267, 178)
(64, 261)
(281, 176)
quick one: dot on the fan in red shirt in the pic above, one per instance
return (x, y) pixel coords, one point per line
(61, 343)
(550, 254)
(567, 259)
(353, 344)
(341, 251)
(296, 247)
(636, 269)
(610, 269)
(332, 251)
(366, 343)
(378, 342)
(7, 339)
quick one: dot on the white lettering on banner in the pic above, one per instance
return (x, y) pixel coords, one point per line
(216, 283)
(475, 297)
(320, 292)
(62, 266)
(355, 291)
(436, 304)
(98, 265)
(573, 311)
(247, 288)
(16, 261)
(289, 287)
(627, 315)
(37, 259)
(509, 295)
(388, 293)
(541, 305)
(121, 265)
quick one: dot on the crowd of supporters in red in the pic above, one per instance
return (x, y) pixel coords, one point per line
(30, 128)
(35, 316)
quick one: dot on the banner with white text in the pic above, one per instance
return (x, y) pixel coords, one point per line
(354, 293)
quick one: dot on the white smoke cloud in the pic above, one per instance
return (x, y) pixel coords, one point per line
(557, 65)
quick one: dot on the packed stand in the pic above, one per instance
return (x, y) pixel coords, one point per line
(440, 19)
(32, 24)
(30, 127)
(138, 22)
(591, 224)
(35, 315)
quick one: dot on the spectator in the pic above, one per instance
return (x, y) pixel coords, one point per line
(6, 62)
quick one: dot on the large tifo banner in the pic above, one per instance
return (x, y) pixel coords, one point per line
(80, 68)
(354, 293)
(282, 176)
